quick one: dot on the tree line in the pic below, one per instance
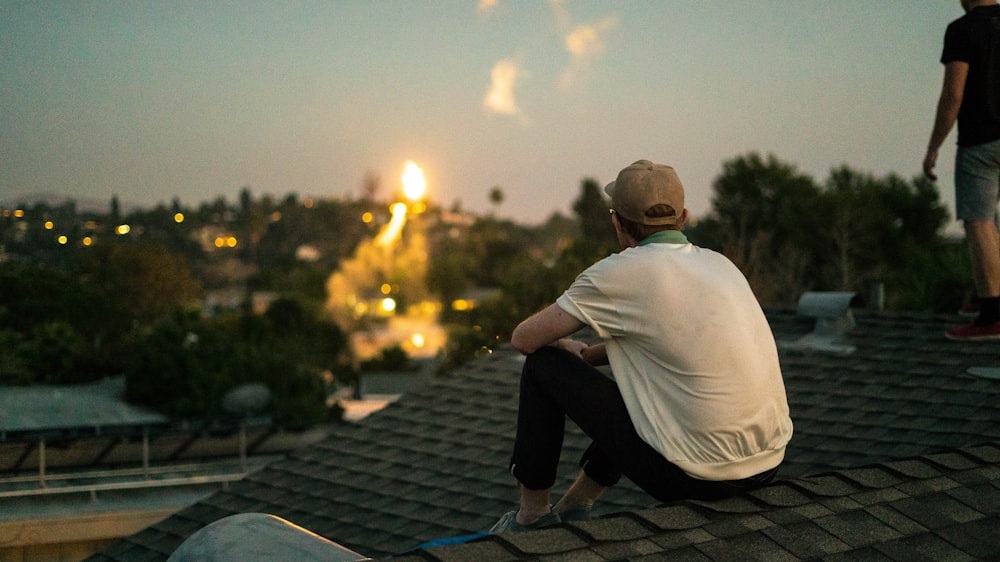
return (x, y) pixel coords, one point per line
(133, 305)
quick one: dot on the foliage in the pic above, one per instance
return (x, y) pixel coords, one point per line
(144, 279)
(76, 311)
(762, 210)
(51, 327)
(392, 358)
(855, 233)
(184, 365)
(464, 344)
(529, 273)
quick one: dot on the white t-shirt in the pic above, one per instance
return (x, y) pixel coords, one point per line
(692, 354)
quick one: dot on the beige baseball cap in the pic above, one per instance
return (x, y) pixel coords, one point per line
(642, 186)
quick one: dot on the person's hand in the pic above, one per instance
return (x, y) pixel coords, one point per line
(930, 160)
(573, 346)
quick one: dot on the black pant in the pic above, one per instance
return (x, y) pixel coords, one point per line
(556, 383)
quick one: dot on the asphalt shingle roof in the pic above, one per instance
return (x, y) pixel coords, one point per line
(896, 456)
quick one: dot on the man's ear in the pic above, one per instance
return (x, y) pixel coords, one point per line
(616, 222)
(682, 222)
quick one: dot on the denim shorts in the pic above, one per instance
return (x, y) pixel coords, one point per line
(977, 181)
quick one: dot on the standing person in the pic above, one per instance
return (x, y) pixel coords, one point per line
(971, 95)
(696, 407)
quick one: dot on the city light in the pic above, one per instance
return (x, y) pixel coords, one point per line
(388, 305)
(49, 225)
(386, 288)
(62, 239)
(367, 218)
(123, 229)
(225, 241)
(87, 241)
(179, 218)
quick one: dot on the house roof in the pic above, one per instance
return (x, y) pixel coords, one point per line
(896, 455)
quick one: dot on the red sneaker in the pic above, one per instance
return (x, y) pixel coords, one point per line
(972, 332)
(969, 310)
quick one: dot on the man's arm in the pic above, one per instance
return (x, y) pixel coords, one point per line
(544, 328)
(596, 354)
(955, 73)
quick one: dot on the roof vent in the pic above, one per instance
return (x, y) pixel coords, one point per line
(832, 311)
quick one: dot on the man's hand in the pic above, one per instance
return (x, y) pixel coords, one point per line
(595, 355)
(930, 160)
(573, 346)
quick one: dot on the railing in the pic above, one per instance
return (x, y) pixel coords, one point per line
(131, 478)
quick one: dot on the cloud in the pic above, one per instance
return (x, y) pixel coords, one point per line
(500, 96)
(584, 43)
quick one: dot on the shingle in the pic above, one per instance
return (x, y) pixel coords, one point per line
(984, 498)
(924, 546)
(689, 554)
(613, 529)
(936, 511)
(895, 453)
(871, 477)
(779, 495)
(805, 540)
(867, 554)
(740, 548)
(981, 538)
(673, 517)
(545, 541)
(858, 528)
(882, 495)
(895, 519)
(734, 526)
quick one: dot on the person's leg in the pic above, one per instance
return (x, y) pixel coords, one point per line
(554, 384)
(581, 495)
(977, 191)
(984, 250)
(533, 505)
(537, 446)
(561, 384)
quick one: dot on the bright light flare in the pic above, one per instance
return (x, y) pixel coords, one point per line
(414, 185)
(390, 232)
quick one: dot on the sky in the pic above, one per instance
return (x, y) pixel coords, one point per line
(154, 100)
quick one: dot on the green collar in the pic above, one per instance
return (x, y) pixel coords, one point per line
(665, 237)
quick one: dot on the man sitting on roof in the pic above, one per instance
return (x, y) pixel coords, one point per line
(697, 406)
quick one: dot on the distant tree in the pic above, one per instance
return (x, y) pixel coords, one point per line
(145, 281)
(764, 219)
(370, 186)
(787, 235)
(496, 196)
(116, 210)
(52, 327)
(591, 209)
(597, 234)
(184, 365)
(878, 228)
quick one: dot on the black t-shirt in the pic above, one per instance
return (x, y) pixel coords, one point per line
(975, 39)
